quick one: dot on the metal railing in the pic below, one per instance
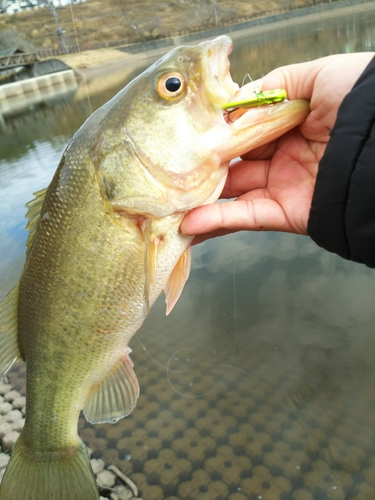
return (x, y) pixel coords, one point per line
(15, 60)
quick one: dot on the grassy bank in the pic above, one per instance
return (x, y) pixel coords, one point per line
(131, 21)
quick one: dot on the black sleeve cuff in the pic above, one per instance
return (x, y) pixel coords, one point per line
(342, 215)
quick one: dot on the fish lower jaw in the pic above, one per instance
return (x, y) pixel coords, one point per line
(264, 124)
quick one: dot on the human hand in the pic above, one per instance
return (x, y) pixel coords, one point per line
(273, 185)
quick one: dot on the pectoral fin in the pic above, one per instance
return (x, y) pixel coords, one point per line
(177, 280)
(116, 396)
(9, 350)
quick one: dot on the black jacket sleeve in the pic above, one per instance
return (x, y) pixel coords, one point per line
(342, 215)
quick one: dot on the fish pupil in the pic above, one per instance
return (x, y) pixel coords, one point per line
(173, 84)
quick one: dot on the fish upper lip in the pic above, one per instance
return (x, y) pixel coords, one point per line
(218, 82)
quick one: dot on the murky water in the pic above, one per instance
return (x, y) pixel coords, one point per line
(261, 382)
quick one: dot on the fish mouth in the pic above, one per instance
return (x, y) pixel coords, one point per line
(218, 82)
(219, 87)
(265, 122)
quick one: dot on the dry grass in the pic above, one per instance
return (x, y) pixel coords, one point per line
(92, 58)
(97, 21)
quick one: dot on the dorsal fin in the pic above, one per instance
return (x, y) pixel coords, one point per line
(33, 214)
(9, 350)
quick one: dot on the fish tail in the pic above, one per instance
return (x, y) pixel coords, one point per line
(62, 476)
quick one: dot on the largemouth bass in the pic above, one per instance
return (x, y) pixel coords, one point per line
(104, 242)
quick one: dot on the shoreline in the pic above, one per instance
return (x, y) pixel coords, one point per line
(93, 63)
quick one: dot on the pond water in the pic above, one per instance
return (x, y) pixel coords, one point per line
(260, 384)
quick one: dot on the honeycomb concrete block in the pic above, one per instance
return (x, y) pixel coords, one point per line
(153, 492)
(234, 469)
(281, 485)
(252, 486)
(369, 475)
(237, 496)
(213, 490)
(169, 476)
(302, 494)
(110, 456)
(190, 408)
(364, 491)
(254, 447)
(123, 444)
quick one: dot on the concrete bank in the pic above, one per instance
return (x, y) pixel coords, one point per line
(16, 96)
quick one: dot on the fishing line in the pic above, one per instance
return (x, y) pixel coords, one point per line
(247, 76)
(80, 52)
(170, 370)
(196, 396)
(157, 362)
(228, 112)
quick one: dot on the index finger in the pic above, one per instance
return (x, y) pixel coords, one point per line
(244, 176)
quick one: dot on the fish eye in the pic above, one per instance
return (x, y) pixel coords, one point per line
(170, 86)
(173, 84)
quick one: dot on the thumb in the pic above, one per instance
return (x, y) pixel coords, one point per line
(297, 79)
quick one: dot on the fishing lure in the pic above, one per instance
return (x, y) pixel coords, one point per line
(260, 98)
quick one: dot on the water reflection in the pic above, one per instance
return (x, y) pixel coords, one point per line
(260, 384)
(260, 52)
(287, 363)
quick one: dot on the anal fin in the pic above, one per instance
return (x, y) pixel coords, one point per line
(116, 396)
(9, 349)
(177, 279)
